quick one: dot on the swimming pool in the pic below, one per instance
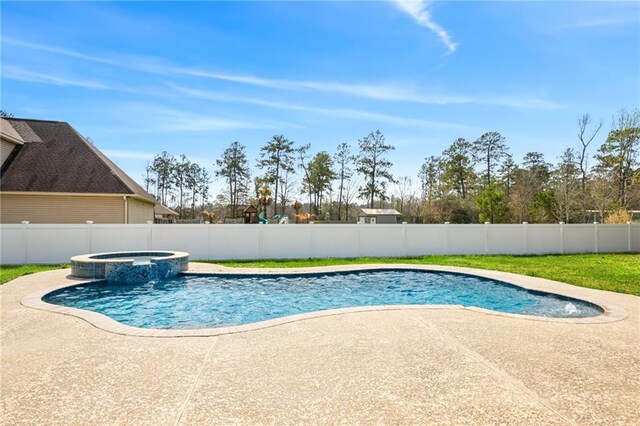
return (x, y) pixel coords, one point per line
(222, 300)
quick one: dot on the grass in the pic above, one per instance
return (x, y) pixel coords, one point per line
(11, 272)
(612, 272)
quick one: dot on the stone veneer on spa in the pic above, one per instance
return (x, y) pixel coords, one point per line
(130, 266)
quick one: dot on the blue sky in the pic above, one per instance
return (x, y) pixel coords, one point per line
(190, 78)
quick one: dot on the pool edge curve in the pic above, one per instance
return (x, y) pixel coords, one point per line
(611, 312)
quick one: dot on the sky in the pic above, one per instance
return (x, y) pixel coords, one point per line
(189, 78)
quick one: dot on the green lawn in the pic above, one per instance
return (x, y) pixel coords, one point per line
(613, 272)
(11, 272)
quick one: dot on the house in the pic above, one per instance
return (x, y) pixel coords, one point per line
(163, 214)
(52, 174)
(250, 214)
(379, 216)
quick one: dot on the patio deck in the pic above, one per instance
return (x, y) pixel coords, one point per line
(405, 366)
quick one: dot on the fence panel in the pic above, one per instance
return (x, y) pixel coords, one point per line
(284, 242)
(426, 239)
(380, 240)
(468, 239)
(504, 239)
(334, 240)
(190, 238)
(543, 239)
(13, 249)
(635, 238)
(234, 242)
(579, 238)
(56, 243)
(106, 238)
(38, 243)
(613, 238)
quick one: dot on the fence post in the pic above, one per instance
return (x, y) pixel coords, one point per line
(208, 231)
(446, 238)
(486, 237)
(358, 227)
(149, 236)
(561, 237)
(311, 255)
(90, 234)
(260, 225)
(629, 237)
(404, 238)
(524, 239)
(595, 232)
(25, 240)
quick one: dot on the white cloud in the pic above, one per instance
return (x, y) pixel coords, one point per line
(128, 155)
(602, 22)
(156, 118)
(21, 74)
(378, 91)
(418, 10)
(353, 114)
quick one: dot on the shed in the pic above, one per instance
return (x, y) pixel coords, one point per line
(164, 214)
(379, 216)
(250, 214)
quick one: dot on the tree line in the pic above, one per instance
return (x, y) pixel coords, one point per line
(469, 182)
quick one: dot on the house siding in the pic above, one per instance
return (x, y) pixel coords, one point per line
(15, 208)
(5, 149)
(139, 211)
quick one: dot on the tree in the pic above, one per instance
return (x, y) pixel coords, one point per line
(163, 166)
(148, 177)
(287, 188)
(192, 182)
(276, 157)
(489, 150)
(491, 204)
(528, 181)
(458, 166)
(507, 172)
(264, 198)
(619, 154)
(180, 170)
(429, 175)
(566, 185)
(342, 159)
(374, 167)
(204, 180)
(234, 169)
(303, 162)
(320, 176)
(404, 188)
(585, 137)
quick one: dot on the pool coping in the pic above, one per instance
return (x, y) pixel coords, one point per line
(611, 312)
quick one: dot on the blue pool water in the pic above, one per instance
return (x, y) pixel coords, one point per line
(190, 301)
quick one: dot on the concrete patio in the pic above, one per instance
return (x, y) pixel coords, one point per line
(432, 366)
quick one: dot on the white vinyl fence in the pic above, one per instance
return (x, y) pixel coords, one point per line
(39, 243)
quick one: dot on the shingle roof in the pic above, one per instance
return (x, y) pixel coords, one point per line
(7, 131)
(56, 158)
(160, 209)
(381, 212)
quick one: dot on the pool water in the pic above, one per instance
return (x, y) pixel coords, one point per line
(196, 301)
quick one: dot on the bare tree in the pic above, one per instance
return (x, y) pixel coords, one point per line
(585, 137)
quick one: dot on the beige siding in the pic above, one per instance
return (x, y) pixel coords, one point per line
(5, 149)
(139, 211)
(60, 209)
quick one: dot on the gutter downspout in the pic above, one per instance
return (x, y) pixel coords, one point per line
(126, 210)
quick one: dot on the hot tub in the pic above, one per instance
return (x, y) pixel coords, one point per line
(130, 266)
